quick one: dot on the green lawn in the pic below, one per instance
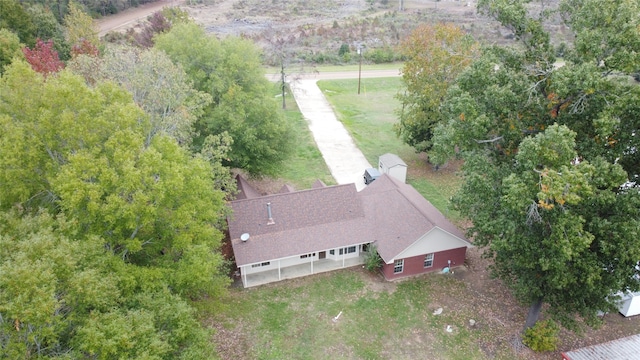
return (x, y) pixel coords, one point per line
(294, 320)
(370, 116)
(306, 164)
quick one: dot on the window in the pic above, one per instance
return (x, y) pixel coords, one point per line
(428, 260)
(332, 252)
(398, 266)
(266, 263)
(348, 250)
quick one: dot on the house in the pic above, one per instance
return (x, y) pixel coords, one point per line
(392, 164)
(413, 236)
(299, 233)
(621, 349)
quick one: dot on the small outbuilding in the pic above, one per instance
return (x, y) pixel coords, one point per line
(629, 304)
(622, 349)
(392, 165)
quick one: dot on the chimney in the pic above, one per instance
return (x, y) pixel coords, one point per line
(270, 220)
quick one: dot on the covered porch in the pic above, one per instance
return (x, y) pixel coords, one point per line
(299, 270)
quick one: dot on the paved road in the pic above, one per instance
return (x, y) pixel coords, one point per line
(345, 161)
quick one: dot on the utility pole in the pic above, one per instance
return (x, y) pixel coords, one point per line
(283, 83)
(359, 68)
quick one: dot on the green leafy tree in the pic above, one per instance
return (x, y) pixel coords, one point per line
(242, 106)
(125, 231)
(10, 48)
(550, 172)
(160, 88)
(16, 19)
(61, 297)
(80, 26)
(48, 28)
(435, 55)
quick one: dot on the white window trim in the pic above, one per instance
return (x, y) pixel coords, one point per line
(398, 264)
(431, 260)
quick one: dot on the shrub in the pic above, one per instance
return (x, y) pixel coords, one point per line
(543, 336)
(344, 49)
(380, 55)
(372, 260)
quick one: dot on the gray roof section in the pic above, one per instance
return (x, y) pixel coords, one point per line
(402, 215)
(391, 160)
(622, 349)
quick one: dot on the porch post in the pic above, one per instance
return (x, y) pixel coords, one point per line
(279, 275)
(311, 264)
(343, 255)
(244, 276)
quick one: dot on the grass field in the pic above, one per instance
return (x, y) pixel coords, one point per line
(306, 164)
(370, 116)
(379, 320)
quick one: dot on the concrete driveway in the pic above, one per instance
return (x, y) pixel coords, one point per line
(345, 161)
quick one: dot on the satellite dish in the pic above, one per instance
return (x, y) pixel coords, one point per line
(244, 237)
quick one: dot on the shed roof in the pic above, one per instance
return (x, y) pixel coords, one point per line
(391, 160)
(621, 349)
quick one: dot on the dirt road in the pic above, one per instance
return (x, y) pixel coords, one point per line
(132, 16)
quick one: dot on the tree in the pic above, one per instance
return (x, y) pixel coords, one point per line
(80, 26)
(549, 153)
(17, 20)
(48, 28)
(43, 58)
(160, 88)
(156, 23)
(104, 237)
(435, 54)
(230, 72)
(280, 53)
(10, 48)
(61, 297)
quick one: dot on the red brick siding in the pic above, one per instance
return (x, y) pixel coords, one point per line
(415, 265)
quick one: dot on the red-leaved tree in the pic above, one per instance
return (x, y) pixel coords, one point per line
(43, 58)
(84, 47)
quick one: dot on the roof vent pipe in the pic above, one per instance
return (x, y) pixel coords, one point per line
(270, 219)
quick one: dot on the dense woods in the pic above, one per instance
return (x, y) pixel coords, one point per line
(114, 176)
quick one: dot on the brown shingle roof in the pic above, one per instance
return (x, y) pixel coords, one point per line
(245, 191)
(402, 215)
(388, 212)
(318, 184)
(286, 188)
(304, 221)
